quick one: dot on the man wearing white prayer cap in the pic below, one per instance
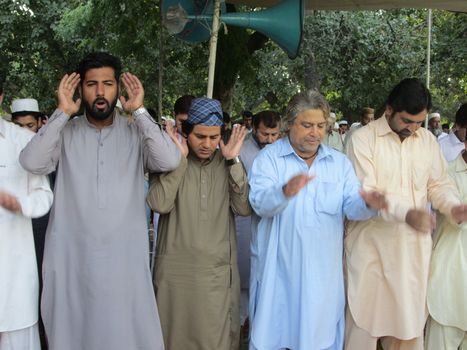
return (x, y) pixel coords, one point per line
(26, 114)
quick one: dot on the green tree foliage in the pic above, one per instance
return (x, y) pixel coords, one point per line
(353, 58)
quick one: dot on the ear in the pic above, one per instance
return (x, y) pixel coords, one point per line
(388, 111)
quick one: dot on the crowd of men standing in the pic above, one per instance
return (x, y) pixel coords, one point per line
(317, 247)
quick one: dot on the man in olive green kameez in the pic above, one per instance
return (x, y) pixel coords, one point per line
(196, 274)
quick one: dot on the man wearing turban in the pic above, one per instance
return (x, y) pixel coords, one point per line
(196, 274)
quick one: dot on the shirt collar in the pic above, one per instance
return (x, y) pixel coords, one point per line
(114, 120)
(383, 128)
(287, 149)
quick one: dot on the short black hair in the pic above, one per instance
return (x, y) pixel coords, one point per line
(183, 103)
(247, 114)
(99, 60)
(445, 126)
(461, 115)
(226, 117)
(270, 119)
(411, 96)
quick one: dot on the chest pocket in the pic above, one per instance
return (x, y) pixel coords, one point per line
(328, 197)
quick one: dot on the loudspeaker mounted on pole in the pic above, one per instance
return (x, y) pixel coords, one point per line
(191, 20)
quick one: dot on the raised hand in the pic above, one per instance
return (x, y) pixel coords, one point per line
(10, 202)
(459, 213)
(65, 92)
(177, 139)
(295, 184)
(232, 148)
(135, 92)
(374, 200)
(420, 220)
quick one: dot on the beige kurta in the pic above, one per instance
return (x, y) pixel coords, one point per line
(387, 261)
(196, 275)
(447, 288)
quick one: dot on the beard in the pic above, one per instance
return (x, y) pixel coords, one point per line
(100, 114)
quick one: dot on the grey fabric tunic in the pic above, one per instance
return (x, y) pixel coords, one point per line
(196, 274)
(97, 291)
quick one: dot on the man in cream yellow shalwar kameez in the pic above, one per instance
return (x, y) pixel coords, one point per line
(196, 274)
(447, 285)
(387, 262)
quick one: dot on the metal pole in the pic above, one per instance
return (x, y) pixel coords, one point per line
(428, 57)
(213, 47)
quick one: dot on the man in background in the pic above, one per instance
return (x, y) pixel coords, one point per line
(266, 130)
(25, 113)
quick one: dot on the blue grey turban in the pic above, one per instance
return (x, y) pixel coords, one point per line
(205, 111)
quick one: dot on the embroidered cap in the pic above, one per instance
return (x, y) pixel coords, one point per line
(205, 111)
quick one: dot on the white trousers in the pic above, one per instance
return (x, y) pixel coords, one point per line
(439, 337)
(21, 339)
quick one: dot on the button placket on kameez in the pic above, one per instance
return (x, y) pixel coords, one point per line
(203, 194)
(101, 195)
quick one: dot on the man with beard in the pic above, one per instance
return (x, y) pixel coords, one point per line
(266, 130)
(434, 125)
(387, 257)
(97, 285)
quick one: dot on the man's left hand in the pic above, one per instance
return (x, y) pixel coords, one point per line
(135, 92)
(232, 148)
(374, 200)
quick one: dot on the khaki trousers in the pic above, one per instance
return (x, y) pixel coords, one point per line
(359, 339)
(439, 337)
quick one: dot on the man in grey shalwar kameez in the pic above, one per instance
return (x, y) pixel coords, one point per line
(97, 292)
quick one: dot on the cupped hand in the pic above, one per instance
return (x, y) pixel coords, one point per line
(65, 93)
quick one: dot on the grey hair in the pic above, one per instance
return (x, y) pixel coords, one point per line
(302, 102)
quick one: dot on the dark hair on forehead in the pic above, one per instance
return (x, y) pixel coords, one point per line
(99, 60)
(35, 115)
(183, 103)
(411, 96)
(270, 119)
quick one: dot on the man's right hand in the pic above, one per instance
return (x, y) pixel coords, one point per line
(420, 220)
(295, 184)
(181, 142)
(10, 202)
(65, 93)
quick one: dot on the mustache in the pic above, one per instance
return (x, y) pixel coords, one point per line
(405, 133)
(100, 99)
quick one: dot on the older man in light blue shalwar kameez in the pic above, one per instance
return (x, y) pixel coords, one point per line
(299, 298)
